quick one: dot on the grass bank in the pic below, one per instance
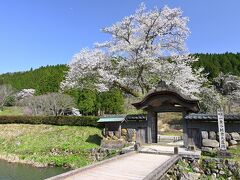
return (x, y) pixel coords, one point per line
(48, 144)
(235, 152)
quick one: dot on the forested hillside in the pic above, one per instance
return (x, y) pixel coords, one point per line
(216, 63)
(44, 79)
(47, 79)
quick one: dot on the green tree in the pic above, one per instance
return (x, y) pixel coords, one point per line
(98, 103)
(87, 101)
(112, 101)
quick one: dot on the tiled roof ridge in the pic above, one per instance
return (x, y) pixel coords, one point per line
(211, 116)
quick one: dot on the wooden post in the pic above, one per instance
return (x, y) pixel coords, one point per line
(149, 126)
(154, 128)
(185, 130)
(120, 131)
(175, 150)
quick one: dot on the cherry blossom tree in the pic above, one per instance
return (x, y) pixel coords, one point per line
(228, 86)
(144, 48)
(210, 100)
(25, 93)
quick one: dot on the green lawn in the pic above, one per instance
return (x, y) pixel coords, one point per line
(12, 111)
(47, 144)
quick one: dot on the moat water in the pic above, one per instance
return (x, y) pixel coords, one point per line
(16, 171)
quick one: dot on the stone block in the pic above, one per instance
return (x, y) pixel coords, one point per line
(218, 136)
(115, 138)
(228, 137)
(235, 136)
(204, 134)
(232, 142)
(124, 132)
(226, 143)
(110, 133)
(216, 149)
(190, 175)
(130, 135)
(221, 172)
(206, 149)
(117, 134)
(104, 132)
(212, 135)
(210, 143)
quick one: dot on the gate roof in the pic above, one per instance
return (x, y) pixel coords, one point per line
(167, 101)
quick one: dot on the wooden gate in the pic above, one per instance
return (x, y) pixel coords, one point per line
(141, 135)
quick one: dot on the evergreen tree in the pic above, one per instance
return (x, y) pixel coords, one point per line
(216, 63)
(112, 101)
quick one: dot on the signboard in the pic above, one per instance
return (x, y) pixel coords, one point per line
(221, 129)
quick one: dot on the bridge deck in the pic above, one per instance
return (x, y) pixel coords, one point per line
(133, 167)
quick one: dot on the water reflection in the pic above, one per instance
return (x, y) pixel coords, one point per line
(15, 171)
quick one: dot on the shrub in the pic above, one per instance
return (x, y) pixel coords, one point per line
(10, 101)
(52, 120)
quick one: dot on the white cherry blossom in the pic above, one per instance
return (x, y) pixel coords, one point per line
(145, 47)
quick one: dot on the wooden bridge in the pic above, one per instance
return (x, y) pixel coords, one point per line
(130, 166)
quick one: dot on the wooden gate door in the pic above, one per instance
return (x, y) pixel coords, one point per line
(194, 137)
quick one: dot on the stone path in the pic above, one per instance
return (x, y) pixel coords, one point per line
(161, 149)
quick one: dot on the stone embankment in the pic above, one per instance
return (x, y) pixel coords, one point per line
(99, 154)
(210, 140)
(205, 168)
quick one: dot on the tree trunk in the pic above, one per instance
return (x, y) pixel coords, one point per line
(126, 89)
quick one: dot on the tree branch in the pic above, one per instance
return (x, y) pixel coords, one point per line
(126, 89)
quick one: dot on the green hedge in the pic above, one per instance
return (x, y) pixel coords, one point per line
(52, 120)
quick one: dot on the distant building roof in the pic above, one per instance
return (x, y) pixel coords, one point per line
(111, 119)
(209, 117)
(121, 118)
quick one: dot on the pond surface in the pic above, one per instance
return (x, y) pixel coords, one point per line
(16, 171)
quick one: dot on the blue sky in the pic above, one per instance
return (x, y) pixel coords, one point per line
(36, 33)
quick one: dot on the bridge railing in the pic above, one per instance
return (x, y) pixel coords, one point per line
(165, 138)
(160, 172)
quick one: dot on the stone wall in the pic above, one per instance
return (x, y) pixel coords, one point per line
(99, 154)
(210, 140)
(113, 140)
(205, 168)
(111, 135)
(113, 144)
(127, 134)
